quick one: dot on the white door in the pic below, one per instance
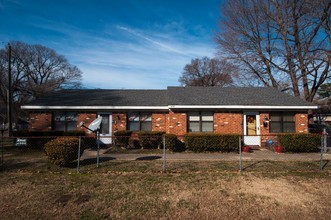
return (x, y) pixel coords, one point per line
(106, 127)
(252, 128)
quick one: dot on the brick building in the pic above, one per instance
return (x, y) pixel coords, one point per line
(253, 112)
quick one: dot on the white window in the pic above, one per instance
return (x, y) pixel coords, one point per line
(65, 121)
(200, 121)
(139, 121)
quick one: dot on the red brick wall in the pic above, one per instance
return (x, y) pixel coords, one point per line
(177, 123)
(159, 122)
(172, 122)
(228, 123)
(40, 122)
(264, 117)
(119, 121)
(301, 123)
(264, 131)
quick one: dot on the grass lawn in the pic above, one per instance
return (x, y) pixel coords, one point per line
(32, 188)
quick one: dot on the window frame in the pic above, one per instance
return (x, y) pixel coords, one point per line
(65, 122)
(282, 122)
(140, 122)
(200, 121)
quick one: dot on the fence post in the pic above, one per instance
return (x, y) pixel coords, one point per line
(164, 155)
(98, 145)
(240, 156)
(323, 148)
(78, 158)
(2, 151)
(325, 135)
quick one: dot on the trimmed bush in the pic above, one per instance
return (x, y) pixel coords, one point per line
(173, 144)
(300, 143)
(122, 138)
(202, 142)
(150, 139)
(61, 151)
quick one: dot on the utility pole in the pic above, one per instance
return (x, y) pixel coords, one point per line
(10, 94)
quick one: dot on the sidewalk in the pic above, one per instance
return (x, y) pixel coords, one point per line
(256, 155)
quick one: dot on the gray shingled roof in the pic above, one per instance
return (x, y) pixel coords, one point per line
(172, 96)
(101, 97)
(258, 96)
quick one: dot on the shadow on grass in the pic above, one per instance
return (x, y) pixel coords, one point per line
(10, 166)
(149, 158)
(252, 165)
(325, 162)
(90, 161)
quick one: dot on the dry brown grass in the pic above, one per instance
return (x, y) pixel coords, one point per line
(30, 195)
(35, 189)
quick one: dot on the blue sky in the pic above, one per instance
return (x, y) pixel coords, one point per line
(136, 44)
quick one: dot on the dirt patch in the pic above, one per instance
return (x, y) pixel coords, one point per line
(284, 191)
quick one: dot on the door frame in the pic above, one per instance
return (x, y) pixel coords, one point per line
(107, 138)
(252, 139)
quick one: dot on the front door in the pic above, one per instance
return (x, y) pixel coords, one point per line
(106, 128)
(251, 128)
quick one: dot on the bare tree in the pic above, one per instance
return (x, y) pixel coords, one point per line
(280, 43)
(207, 72)
(36, 70)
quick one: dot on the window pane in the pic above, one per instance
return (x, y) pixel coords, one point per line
(275, 117)
(275, 127)
(133, 126)
(194, 127)
(71, 126)
(207, 116)
(133, 116)
(207, 126)
(59, 116)
(58, 126)
(146, 126)
(289, 127)
(105, 124)
(145, 117)
(193, 116)
(288, 117)
(71, 116)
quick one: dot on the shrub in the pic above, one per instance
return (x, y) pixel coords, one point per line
(201, 142)
(62, 150)
(173, 144)
(150, 139)
(299, 143)
(122, 138)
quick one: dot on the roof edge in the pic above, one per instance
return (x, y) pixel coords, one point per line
(241, 107)
(169, 107)
(32, 107)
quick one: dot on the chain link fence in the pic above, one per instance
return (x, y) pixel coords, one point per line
(171, 153)
(286, 153)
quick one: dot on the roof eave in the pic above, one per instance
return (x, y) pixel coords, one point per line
(189, 107)
(257, 107)
(35, 107)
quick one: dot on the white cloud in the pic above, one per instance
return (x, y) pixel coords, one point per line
(123, 57)
(162, 46)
